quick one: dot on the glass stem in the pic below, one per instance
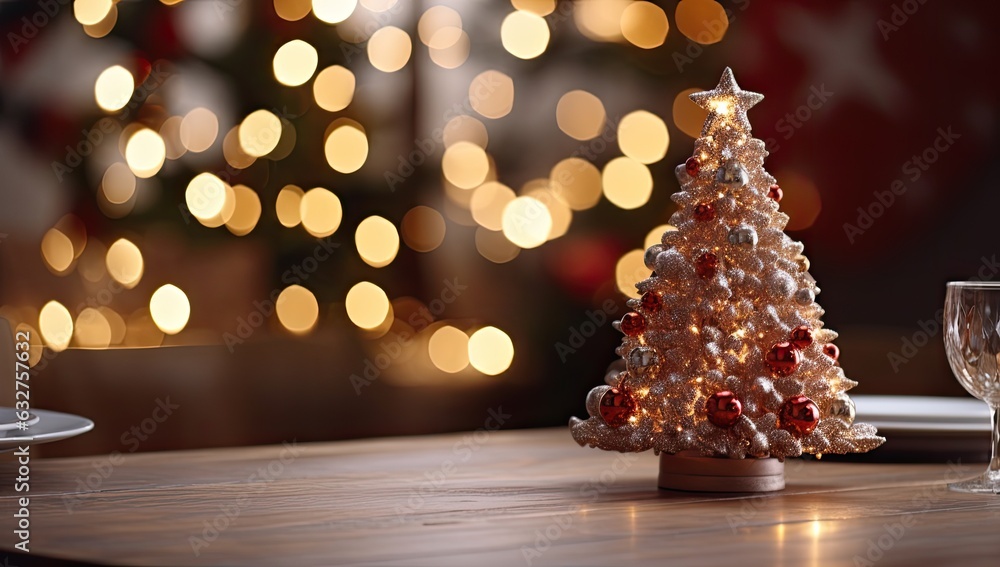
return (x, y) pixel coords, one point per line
(995, 460)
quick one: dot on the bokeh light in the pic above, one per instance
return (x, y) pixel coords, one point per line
(434, 19)
(170, 131)
(259, 133)
(103, 27)
(524, 34)
(333, 11)
(423, 228)
(488, 202)
(367, 305)
(141, 330)
(702, 21)
(124, 263)
(655, 236)
(246, 213)
(378, 6)
(627, 183)
(115, 323)
(113, 88)
(526, 221)
(57, 251)
(333, 88)
(292, 10)
(297, 309)
(643, 136)
(629, 270)
(688, 116)
(287, 204)
(644, 25)
(465, 165)
(494, 246)
(801, 200)
(559, 211)
(92, 329)
(491, 94)
(449, 47)
(577, 182)
(490, 351)
(580, 115)
(377, 241)
(465, 128)
(233, 151)
(389, 49)
(540, 7)
(56, 325)
(118, 183)
(320, 212)
(170, 309)
(448, 348)
(346, 148)
(294, 63)
(90, 12)
(210, 200)
(600, 20)
(199, 129)
(145, 153)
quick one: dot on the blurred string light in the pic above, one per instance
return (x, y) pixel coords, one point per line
(170, 309)
(115, 323)
(436, 18)
(297, 309)
(113, 88)
(367, 305)
(91, 264)
(170, 131)
(491, 94)
(448, 349)
(320, 212)
(210, 200)
(259, 133)
(92, 329)
(118, 183)
(643, 136)
(488, 202)
(423, 228)
(801, 200)
(526, 222)
(198, 130)
(539, 7)
(524, 34)
(56, 325)
(629, 270)
(346, 146)
(333, 88)
(377, 241)
(644, 25)
(577, 182)
(145, 153)
(246, 213)
(688, 116)
(75, 230)
(465, 128)
(702, 21)
(389, 49)
(141, 330)
(559, 211)
(57, 251)
(490, 351)
(103, 27)
(600, 20)
(465, 165)
(292, 10)
(286, 206)
(124, 263)
(580, 115)
(233, 152)
(294, 63)
(449, 47)
(91, 12)
(378, 6)
(495, 247)
(627, 183)
(333, 11)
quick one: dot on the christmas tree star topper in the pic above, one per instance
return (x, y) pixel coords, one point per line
(726, 103)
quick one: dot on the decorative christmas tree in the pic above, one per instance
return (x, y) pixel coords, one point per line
(725, 354)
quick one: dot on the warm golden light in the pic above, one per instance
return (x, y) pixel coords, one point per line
(35, 342)
(464, 128)
(560, 212)
(206, 198)
(294, 63)
(465, 165)
(199, 129)
(655, 236)
(91, 12)
(367, 305)
(490, 351)
(449, 47)
(524, 34)
(56, 325)
(488, 202)
(297, 309)
(141, 330)
(688, 116)
(526, 221)
(115, 323)
(801, 201)
(145, 153)
(643, 136)
(124, 263)
(57, 251)
(629, 270)
(92, 262)
(494, 246)
(292, 10)
(423, 228)
(246, 213)
(103, 27)
(580, 115)
(346, 149)
(703, 21)
(259, 133)
(540, 7)
(333, 88)
(378, 6)
(333, 11)
(113, 88)
(627, 183)
(577, 182)
(170, 131)
(287, 206)
(435, 18)
(377, 241)
(92, 330)
(233, 151)
(321, 212)
(491, 94)
(644, 25)
(118, 183)
(600, 20)
(448, 348)
(389, 49)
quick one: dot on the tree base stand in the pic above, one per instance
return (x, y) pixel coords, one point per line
(689, 471)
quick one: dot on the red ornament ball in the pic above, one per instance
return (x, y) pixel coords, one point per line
(651, 301)
(633, 324)
(616, 407)
(704, 212)
(723, 409)
(783, 359)
(775, 193)
(692, 165)
(801, 336)
(832, 351)
(798, 416)
(706, 264)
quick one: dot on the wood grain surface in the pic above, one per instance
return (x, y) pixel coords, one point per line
(529, 497)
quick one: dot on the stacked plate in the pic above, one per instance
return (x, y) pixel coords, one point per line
(40, 427)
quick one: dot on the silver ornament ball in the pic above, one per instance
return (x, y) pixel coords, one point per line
(842, 408)
(732, 173)
(642, 358)
(594, 400)
(805, 296)
(682, 175)
(649, 258)
(743, 235)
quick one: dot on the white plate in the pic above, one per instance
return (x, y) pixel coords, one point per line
(51, 426)
(9, 420)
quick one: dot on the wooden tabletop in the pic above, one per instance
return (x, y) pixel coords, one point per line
(529, 497)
